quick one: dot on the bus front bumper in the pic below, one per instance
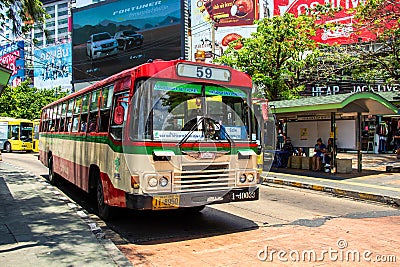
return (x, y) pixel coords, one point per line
(173, 201)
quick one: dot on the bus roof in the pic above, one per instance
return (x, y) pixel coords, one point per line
(156, 67)
(8, 119)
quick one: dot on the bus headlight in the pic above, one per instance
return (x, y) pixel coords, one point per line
(153, 182)
(250, 177)
(163, 181)
(242, 178)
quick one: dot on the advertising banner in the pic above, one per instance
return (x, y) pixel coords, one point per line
(232, 20)
(229, 12)
(111, 36)
(12, 57)
(343, 33)
(53, 67)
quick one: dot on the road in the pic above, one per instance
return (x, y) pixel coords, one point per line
(235, 234)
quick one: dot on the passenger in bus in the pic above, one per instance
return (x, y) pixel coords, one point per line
(69, 124)
(83, 126)
(92, 125)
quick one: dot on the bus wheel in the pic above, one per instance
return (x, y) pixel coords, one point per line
(106, 212)
(7, 147)
(53, 177)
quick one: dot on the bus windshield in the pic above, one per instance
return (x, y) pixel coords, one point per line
(200, 110)
(26, 131)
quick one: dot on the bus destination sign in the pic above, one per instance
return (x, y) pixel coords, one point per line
(203, 72)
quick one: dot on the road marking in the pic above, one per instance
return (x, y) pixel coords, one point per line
(338, 182)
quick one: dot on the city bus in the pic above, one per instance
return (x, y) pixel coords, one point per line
(162, 135)
(15, 134)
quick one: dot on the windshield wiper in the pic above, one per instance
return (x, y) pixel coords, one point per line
(186, 137)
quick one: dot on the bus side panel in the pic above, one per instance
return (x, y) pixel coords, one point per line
(43, 156)
(73, 172)
(112, 195)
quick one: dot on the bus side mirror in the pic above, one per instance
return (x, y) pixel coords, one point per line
(119, 115)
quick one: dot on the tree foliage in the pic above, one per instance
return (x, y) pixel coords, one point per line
(22, 14)
(25, 101)
(379, 60)
(277, 55)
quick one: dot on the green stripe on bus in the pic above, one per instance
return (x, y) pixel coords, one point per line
(146, 150)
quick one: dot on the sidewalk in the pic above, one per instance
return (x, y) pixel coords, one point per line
(41, 227)
(373, 183)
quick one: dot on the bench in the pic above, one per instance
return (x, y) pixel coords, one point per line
(344, 166)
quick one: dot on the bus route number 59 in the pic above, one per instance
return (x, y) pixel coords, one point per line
(204, 72)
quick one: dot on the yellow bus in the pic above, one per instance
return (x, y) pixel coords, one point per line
(15, 134)
(35, 142)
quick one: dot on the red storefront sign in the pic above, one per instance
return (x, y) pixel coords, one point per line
(344, 33)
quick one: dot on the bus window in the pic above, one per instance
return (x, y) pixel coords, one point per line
(116, 129)
(93, 112)
(50, 114)
(107, 96)
(26, 131)
(13, 132)
(141, 108)
(36, 132)
(69, 114)
(53, 118)
(105, 105)
(58, 118)
(63, 118)
(76, 115)
(85, 110)
(43, 125)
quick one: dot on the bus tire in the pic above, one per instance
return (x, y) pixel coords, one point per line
(105, 211)
(53, 177)
(7, 147)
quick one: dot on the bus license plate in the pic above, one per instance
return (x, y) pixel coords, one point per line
(244, 195)
(165, 202)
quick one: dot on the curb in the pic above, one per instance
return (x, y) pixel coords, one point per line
(335, 191)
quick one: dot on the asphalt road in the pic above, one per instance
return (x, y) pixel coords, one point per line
(278, 206)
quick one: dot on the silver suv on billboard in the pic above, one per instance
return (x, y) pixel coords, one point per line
(128, 39)
(101, 45)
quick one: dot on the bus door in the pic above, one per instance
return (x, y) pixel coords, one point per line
(3, 133)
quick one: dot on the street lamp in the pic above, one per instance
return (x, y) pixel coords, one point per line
(5, 75)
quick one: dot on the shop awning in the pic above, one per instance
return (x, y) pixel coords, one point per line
(365, 103)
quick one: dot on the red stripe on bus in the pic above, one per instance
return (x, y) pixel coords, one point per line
(112, 195)
(79, 175)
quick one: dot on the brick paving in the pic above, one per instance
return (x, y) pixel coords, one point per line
(380, 236)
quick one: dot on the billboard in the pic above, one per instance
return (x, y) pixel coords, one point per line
(229, 13)
(53, 66)
(232, 19)
(111, 36)
(345, 31)
(12, 57)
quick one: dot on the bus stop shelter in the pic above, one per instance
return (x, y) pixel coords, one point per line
(333, 108)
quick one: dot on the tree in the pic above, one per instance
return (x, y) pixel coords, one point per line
(22, 13)
(380, 59)
(25, 101)
(277, 56)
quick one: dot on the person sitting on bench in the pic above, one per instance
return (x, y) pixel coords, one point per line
(319, 150)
